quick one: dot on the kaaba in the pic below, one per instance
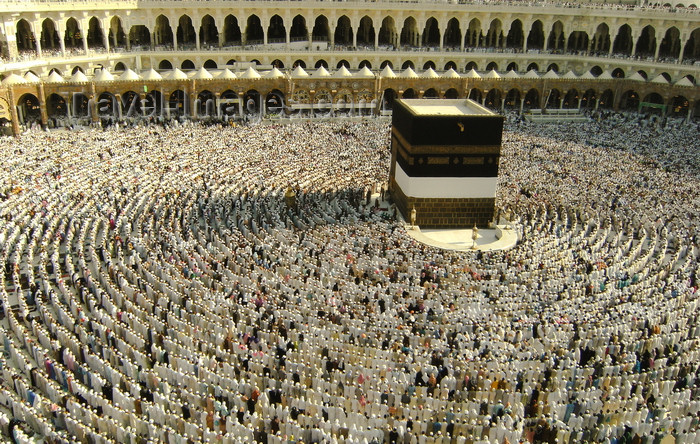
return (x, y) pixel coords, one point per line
(444, 161)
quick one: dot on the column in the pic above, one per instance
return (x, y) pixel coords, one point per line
(105, 36)
(196, 39)
(42, 105)
(376, 40)
(61, 37)
(13, 111)
(174, 39)
(522, 104)
(691, 108)
(561, 103)
(37, 37)
(656, 52)
(680, 55)
(503, 104)
(579, 103)
(11, 35)
(84, 26)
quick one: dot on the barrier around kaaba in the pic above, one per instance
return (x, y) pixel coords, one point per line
(444, 161)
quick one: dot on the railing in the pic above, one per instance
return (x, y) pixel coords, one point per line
(629, 5)
(258, 46)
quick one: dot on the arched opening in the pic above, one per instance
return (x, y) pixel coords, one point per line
(691, 53)
(298, 31)
(578, 42)
(629, 100)
(643, 73)
(493, 99)
(553, 67)
(470, 66)
(429, 65)
(73, 38)
(343, 32)
(274, 102)
(588, 99)
(596, 70)
(450, 65)
(555, 41)
(165, 65)
(140, 37)
(119, 67)
(512, 66)
(533, 67)
(365, 63)
(186, 38)
(386, 63)
(208, 32)
(321, 63)
(107, 107)
(388, 36)
(410, 93)
(606, 99)
(232, 31)
(300, 63)
(431, 93)
(162, 33)
(56, 107)
(452, 93)
(276, 31)
(228, 104)
(535, 39)
(344, 63)
(532, 99)
(388, 99)
(77, 69)
(49, 36)
(365, 33)
(623, 41)
(251, 103)
(601, 40)
(654, 98)
(453, 35)
(407, 64)
(473, 37)
(95, 36)
(210, 64)
(55, 70)
(476, 95)
(254, 33)
(512, 99)
(277, 63)
(571, 99)
(553, 99)
(256, 61)
(178, 104)
(431, 33)
(670, 46)
(80, 105)
(618, 73)
(116, 35)
(515, 35)
(409, 33)
(646, 44)
(494, 36)
(131, 104)
(205, 104)
(26, 41)
(492, 66)
(321, 31)
(187, 65)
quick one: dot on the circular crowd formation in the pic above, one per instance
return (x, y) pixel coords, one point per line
(218, 284)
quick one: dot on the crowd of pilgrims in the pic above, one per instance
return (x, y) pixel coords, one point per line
(160, 285)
